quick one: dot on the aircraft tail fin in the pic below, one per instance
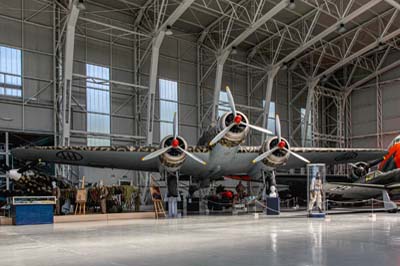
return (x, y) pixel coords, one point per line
(388, 204)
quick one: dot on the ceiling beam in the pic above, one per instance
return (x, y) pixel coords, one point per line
(334, 27)
(155, 54)
(224, 53)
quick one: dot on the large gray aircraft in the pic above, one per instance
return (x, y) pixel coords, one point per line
(219, 152)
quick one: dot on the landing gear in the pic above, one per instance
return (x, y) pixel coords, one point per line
(173, 194)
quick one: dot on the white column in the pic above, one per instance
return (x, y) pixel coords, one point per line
(310, 95)
(155, 54)
(68, 65)
(268, 93)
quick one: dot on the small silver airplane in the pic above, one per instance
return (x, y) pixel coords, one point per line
(219, 152)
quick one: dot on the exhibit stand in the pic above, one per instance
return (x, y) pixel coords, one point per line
(316, 177)
(33, 210)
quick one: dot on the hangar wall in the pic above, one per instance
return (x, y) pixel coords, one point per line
(364, 107)
(34, 37)
(35, 112)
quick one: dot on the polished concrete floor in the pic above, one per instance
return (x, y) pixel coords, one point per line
(224, 240)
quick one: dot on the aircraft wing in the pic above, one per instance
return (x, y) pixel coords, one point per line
(120, 157)
(127, 157)
(386, 180)
(333, 155)
(362, 185)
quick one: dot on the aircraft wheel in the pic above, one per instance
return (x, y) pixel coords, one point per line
(392, 211)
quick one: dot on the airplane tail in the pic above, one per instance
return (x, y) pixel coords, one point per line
(387, 203)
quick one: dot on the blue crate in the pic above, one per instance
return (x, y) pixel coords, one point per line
(33, 214)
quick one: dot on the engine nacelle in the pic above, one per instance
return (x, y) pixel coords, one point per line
(14, 175)
(173, 159)
(278, 157)
(237, 134)
(359, 171)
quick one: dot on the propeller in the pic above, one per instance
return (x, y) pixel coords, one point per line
(174, 145)
(15, 174)
(363, 168)
(237, 120)
(280, 146)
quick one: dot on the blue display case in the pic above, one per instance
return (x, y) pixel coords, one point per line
(33, 210)
(273, 206)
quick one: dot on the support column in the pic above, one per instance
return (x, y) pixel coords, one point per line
(7, 161)
(311, 86)
(268, 93)
(156, 44)
(218, 81)
(379, 111)
(155, 53)
(68, 65)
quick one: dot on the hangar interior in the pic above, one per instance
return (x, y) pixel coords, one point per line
(102, 73)
(87, 83)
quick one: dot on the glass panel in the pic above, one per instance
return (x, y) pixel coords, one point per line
(166, 129)
(10, 66)
(98, 123)
(309, 133)
(168, 105)
(271, 116)
(167, 110)
(98, 103)
(93, 141)
(168, 90)
(223, 104)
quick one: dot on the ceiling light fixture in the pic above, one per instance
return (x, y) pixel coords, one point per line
(292, 4)
(7, 119)
(234, 50)
(81, 5)
(342, 28)
(168, 32)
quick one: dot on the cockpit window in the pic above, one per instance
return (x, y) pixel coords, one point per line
(395, 141)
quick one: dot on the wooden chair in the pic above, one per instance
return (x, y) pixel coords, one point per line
(158, 202)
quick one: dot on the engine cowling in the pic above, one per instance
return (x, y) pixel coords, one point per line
(278, 157)
(173, 159)
(360, 170)
(237, 134)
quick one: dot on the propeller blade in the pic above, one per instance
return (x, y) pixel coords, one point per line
(192, 156)
(231, 101)
(298, 156)
(28, 166)
(156, 153)
(278, 127)
(175, 125)
(353, 165)
(263, 130)
(221, 134)
(264, 155)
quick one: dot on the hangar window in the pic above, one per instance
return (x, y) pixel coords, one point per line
(98, 104)
(168, 105)
(223, 105)
(309, 133)
(271, 116)
(10, 72)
